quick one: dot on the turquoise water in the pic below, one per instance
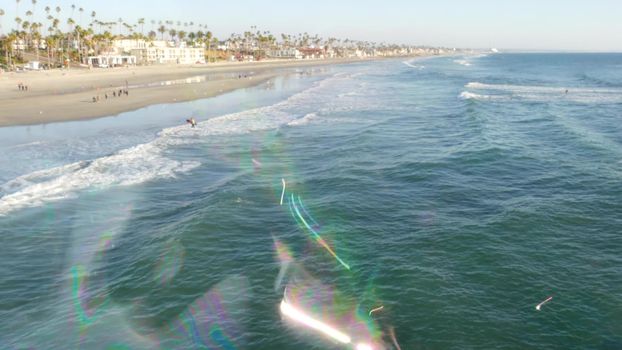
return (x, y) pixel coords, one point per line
(455, 192)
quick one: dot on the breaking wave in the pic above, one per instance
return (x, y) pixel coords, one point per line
(151, 160)
(463, 62)
(584, 95)
(409, 64)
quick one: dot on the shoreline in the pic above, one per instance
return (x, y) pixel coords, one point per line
(67, 95)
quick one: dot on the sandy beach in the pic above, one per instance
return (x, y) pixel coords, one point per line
(62, 95)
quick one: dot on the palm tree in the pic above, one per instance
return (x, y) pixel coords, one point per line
(34, 28)
(28, 29)
(172, 33)
(1, 15)
(70, 24)
(93, 14)
(208, 36)
(49, 41)
(17, 12)
(8, 49)
(213, 42)
(181, 35)
(81, 11)
(34, 5)
(162, 30)
(128, 28)
(57, 9)
(25, 26)
(141, 22)
(18, 22)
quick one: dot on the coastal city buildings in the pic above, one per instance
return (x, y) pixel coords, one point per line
(98, 47)
(159, 52)
(132, 52)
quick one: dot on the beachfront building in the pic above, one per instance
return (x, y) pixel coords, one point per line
(159, 51)
(289, 53)
(312, 53)
(222, 46)
(19, 45)
(108, 61)
(127, 45)
(164, 43)
(329, 52)
(170, 55)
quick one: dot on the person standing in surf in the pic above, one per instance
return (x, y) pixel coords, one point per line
(192, 122)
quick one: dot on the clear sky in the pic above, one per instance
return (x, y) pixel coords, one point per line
(583, 25)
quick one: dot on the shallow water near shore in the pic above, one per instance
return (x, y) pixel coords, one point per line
(455, 192)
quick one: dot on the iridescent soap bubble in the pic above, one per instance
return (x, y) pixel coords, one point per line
(214, 320)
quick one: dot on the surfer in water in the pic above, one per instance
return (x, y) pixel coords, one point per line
(192, 122)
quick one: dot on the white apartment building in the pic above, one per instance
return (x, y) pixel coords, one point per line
(284, 53)
(159, 51)
(110, 60)
(127, 45)
(176, 55)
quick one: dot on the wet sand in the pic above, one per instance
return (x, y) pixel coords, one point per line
(63, 95)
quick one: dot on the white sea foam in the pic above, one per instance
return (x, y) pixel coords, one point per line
(346, 94)
(466, 95)
(308, 118)
(313, 118)
(149, 161)
(586, 95)
(541, 89)
(131, 166)
(463, 62)
(35, 143)
(21, 182)
(409, 64)
(257, 119)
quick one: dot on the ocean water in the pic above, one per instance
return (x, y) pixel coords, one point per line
(419, 204)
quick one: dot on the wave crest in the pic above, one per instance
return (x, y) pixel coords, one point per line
(584, 95)
(150, 161)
